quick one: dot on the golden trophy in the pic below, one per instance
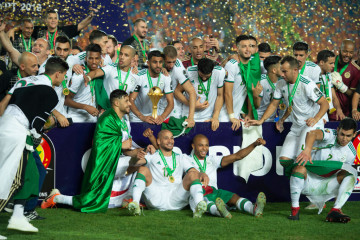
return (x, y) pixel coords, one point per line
(155, 94)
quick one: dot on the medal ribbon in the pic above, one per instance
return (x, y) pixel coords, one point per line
(248, 86)
(168, 169)
(336, 66)
(91, 83)
(18, 74)
(326, 85)
(207, 90)
(52, 38)
(122, 84)
(48, 78)
(150, 81)
(142, 47)
(303, 69)
(27, 46)
(192, 61)
(291, 96)
(124, 127)
(118, 54)
(202, 168)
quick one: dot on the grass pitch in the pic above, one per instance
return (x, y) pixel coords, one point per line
(67, 224)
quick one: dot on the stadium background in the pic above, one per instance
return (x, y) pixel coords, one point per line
(322, 24)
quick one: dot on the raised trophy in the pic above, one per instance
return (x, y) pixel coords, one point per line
(155, 94)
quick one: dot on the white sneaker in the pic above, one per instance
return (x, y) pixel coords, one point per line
(221, 207)
(259, 205)
(21, 224)
(200, 209)
(134, 208)
(2, 237)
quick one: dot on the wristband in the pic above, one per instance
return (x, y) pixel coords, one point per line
(89, 78)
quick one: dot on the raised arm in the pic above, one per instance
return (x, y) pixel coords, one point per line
(84, 23)
(6, 43)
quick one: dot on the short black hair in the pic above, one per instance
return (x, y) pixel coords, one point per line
(301, 46)
(264, 47)
(206, 65)
(323, 55)
(348, 124)
(55, 64)
(270, 61)
(242, 38)
(155, 53)
(77, 47)
(139, 20)
(63, 39)
(96, 34)
(252, 38)
(294, 63)
(170, 51)
(93, 47)
(117, 94)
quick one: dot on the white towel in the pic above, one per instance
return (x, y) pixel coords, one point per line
(254, 161)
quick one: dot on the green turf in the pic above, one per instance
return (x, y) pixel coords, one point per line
(67, 224)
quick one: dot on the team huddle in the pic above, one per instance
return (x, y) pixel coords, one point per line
(53, 84)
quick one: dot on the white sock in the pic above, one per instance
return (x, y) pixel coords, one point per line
(18, 211)
(138, 188)
(213, 209)
(196, 192)
(297, 183)
(64, 199)
(345, 190)
(245, 205)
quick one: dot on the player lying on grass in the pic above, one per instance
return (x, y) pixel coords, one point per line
(216, 198)
(323, 170)
(161, 180)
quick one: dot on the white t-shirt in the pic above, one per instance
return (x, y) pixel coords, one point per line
(312, 71)
(239, 90)
(217, 81)
(178, 76)
(344, 154)
(213, 163)
(111, 80)
(142, 101)
(304, 102)
(158, 171)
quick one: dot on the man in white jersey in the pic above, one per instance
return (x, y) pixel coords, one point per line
(32, 100)
(235, 92)
(81, 99)
(325, 172)
(303, 98)
(120, 76)
(217, 198)
(269, 82)
(111, 139)
(98, 37)
(208, 81)
(161, 180)
(326, 61)
(178, 76)
(141, 108)
(306, 68)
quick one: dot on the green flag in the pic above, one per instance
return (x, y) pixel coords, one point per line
(101, 167)
(101, 95)
(251, 74)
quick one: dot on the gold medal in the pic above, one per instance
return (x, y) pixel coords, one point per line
(290, 109)
(144, 59)
(328, 99)
(66, 91)
(171, 179)
(282, 106)
(52, 51)
(347, 75)
(332, 110)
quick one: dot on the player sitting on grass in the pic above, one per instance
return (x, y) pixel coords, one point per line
(161, 180)
(329, 173)
(217, 198)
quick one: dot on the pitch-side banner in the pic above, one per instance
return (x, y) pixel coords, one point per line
(72, 144)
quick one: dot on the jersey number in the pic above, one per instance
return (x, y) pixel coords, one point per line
(200, 89)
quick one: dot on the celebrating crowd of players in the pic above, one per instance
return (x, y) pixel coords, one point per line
(109, 82)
